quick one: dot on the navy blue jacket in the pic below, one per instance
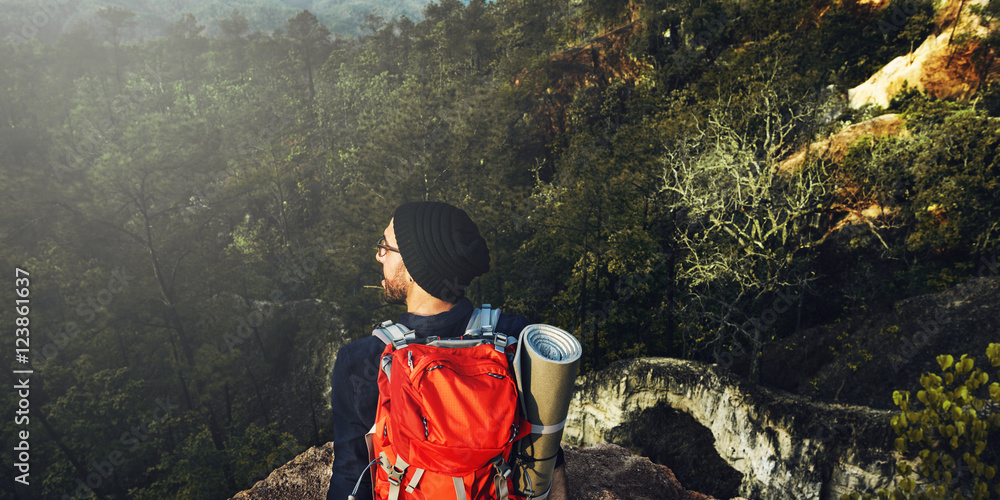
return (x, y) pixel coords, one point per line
(355, 391)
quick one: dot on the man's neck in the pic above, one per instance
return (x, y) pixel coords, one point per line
(427, 305)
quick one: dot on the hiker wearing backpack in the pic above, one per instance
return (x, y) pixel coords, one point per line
(430, 252)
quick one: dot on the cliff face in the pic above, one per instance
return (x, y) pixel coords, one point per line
(779, 446)
(942, 66)
(930, 69)
(847, 208)
(290, 348)
(834, 148)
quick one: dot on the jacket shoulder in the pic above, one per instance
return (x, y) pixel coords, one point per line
(361, 349)
(512, 324)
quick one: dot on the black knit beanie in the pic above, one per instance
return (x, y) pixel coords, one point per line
(441, 247)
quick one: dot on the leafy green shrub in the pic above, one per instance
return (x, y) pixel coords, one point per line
(956, 180)
(877, 169)
(988, 99)
(947, 441)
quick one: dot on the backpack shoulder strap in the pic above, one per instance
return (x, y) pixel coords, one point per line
(392, 333)
(483, 320)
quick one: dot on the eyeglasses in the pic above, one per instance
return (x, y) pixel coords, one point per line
(384, 249)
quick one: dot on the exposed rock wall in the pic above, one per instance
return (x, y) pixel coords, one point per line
(291, 345)
(940, 66)
(784, 446)
(848, 208)
(930, 69)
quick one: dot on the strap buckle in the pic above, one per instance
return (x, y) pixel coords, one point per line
(500, 479)
(395, 476)
(393, 471)
(504, 470)
(483, 321)
(500, 341)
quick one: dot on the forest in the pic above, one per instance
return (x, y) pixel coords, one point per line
(193, 215)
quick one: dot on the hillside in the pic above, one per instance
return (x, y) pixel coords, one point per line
(862, 359)
(680, 181)
(47, 21)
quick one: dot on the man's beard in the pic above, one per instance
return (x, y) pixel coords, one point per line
(395, 288)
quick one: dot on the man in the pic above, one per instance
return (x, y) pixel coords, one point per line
(430, 253)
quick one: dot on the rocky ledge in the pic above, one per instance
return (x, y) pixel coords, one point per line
(605, 472)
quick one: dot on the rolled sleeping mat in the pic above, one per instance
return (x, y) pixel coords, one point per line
(545, 365)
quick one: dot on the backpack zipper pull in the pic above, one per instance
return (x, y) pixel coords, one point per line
(409, 359)
(426, 432)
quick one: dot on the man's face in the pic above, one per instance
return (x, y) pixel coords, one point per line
(395, 276)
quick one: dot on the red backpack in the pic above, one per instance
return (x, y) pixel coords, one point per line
(448, 414)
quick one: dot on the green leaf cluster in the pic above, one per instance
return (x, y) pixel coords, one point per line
(949, 435)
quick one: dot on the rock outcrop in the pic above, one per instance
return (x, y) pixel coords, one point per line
(938, 67)
(289, 348)
(834, 148)
(848, 209)
(305, 477)
(927, 69)
(782, 446)
(605, 472)
(609, 472)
